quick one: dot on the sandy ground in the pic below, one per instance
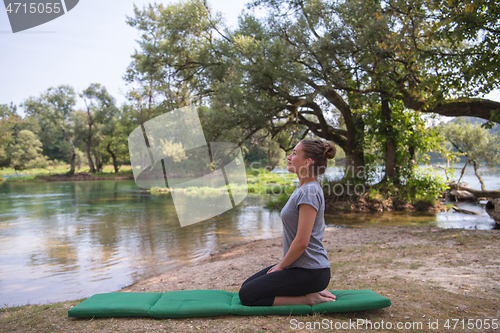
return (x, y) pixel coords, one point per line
(449, 278)
(448, 262)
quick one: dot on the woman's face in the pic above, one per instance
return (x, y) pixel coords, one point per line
(297, 163)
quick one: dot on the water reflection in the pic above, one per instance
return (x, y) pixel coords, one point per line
(452, 219)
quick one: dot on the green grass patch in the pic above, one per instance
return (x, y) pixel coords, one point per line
(32, 174)
(64, 168)
(278, 203)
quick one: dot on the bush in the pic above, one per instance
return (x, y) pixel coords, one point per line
(423, 185)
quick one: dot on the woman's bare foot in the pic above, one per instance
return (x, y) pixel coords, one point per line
(317, 298)
(326, 293)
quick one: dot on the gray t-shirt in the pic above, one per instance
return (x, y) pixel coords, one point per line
(314, 257)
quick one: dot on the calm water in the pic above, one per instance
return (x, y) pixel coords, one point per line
(64, 241)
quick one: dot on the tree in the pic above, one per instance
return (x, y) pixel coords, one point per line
(26, 152)
(100, 109)
(475, 143)
(115, 142)
(326, 65)
(411, 134)
(53, 112)
(261, 148)
(159, 88)
(8, 121)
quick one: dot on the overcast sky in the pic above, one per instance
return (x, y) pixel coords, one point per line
(90, 44)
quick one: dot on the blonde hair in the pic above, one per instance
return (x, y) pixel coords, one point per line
(320, 152)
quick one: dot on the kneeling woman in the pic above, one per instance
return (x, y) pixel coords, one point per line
(304, 272)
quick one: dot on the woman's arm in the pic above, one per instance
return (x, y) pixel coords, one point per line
(307, 216)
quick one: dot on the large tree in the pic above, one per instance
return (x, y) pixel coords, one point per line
(325, 65)
(100, 109)
(53, 112)
(8, 120)
(475, 143)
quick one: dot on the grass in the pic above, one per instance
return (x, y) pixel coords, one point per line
(32, 174)
(278, 203)
(62, 168)
(259, 181)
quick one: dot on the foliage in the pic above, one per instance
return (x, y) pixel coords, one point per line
(51, 113)
(95, 123)
(320, 68)
(26, 152)
(8, 121)
(471, 29)
(424, 185)
(262, 149)
(414, 138)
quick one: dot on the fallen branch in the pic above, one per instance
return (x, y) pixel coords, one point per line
(477, 193)
(465, 211)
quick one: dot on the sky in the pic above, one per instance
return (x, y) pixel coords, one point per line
(89, 44)
(92, 43)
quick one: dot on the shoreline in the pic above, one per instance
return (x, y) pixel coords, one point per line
(428, 273)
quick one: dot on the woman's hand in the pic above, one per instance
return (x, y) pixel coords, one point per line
(275, 268)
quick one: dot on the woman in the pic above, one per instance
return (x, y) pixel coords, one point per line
(304, 272)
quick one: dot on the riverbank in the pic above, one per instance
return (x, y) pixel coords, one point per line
(59, 173)
(85, 176)
(430, 275)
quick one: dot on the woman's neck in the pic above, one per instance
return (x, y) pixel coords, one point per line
(305, 180)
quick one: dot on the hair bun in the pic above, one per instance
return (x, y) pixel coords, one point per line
(330, 151)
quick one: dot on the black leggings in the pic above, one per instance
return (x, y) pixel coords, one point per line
(261, 288)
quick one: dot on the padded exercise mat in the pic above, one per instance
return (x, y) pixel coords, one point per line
(203, 303)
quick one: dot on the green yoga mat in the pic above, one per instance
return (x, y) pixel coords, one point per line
(203, 303)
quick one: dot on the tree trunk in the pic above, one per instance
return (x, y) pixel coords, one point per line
(390, 144)
(98, 164)
(476, 193)
(113, 156)
(72, 159)
(355, 162)
(412, 151)
(354, 134)
(89, 145)
(483, 188)
(463, 171)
